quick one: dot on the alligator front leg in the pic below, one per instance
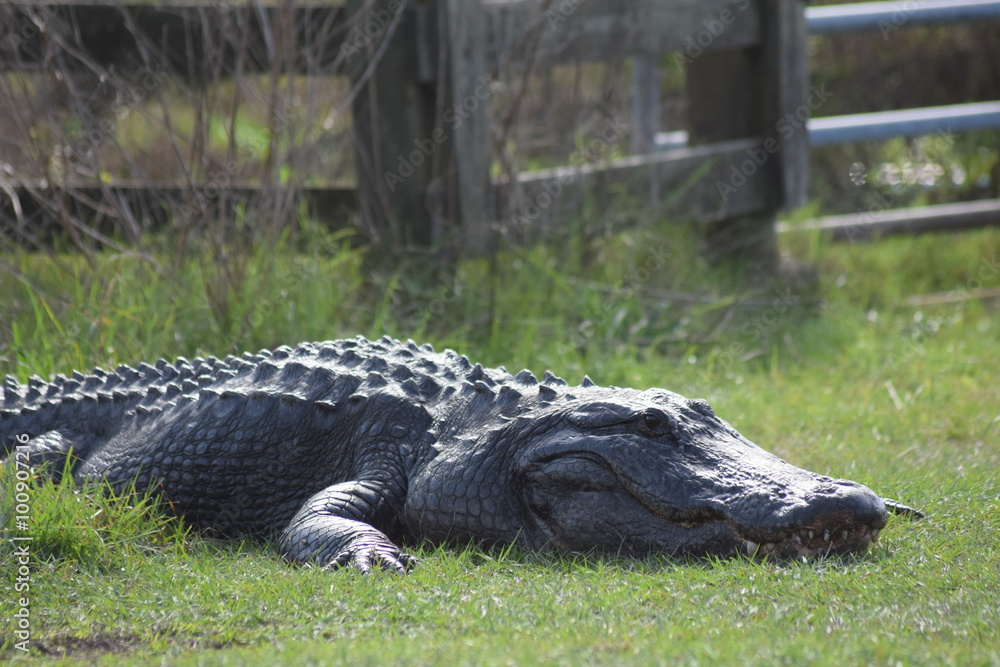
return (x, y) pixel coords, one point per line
(335, 528)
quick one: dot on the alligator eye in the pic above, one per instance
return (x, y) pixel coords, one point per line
(653, 424)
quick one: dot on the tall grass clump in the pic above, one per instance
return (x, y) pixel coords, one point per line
(87, 525)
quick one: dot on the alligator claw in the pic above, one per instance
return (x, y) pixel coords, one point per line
(387, 557)
(902, 510)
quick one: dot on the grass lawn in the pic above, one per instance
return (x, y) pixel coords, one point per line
(857, 374)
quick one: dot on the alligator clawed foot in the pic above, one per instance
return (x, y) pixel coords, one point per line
(388, 558)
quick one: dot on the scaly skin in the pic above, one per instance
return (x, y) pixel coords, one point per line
(345, 449)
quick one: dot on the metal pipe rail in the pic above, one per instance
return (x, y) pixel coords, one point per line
(889, 16)
(906, 122)
(885, 16)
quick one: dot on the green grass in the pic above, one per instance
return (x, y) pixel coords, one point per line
(851, 381)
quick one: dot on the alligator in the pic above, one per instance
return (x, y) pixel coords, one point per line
(343, 450)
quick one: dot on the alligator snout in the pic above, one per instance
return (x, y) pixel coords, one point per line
(838, 517)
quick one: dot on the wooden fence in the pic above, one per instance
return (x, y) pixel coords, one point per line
(421, 102)
(885, 18)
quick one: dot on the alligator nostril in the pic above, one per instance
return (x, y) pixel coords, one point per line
(701, 406)
(861, 502)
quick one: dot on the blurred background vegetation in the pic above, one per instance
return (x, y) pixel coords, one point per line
(267, 271)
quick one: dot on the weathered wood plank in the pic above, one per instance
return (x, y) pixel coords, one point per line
(763, 92)
(397, 135)
(570, 30)
(130, 34)
(31, 209)
(573, 31)
(467, 123)
(687, 177)
(787, 99)
(879, 222)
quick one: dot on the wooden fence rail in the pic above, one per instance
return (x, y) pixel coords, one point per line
(420, 98)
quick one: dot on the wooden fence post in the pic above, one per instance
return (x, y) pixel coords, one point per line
(394, 119)
(466, 121)
(645, 103)
(421, 123)
(788, 101)
(757, 92)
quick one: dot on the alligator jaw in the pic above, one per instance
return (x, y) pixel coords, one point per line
(850, 528)
(828, 535)
(808, 542)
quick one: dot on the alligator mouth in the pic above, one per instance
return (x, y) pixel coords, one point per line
(830, 534)
(809, 542)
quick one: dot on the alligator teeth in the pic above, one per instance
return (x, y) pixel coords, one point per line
(797, 541)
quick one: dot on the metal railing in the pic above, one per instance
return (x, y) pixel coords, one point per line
(887, 17)
(890, 16)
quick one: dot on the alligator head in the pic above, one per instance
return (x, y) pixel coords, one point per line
(639, 472)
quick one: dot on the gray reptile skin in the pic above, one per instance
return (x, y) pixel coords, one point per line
(346, 449)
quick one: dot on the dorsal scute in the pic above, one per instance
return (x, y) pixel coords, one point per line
(526, 378)
(375, 381)
(375, 364)
(292, 372)
(326, 371)
(550, 379)
(546, 393)
(401, 373)
(476, 374)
